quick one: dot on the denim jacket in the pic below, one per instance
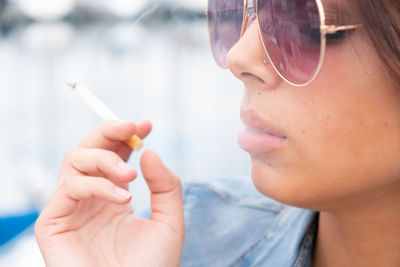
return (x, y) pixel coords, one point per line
(229, 223)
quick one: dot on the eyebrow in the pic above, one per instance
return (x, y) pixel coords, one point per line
(338, 15)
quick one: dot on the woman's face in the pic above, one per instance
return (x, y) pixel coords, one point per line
(342, 131)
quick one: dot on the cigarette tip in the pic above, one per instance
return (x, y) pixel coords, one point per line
(72, 84)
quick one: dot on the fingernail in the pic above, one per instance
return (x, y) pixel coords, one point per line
(124, 167)
(122, 193)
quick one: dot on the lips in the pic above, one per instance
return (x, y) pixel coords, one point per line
(259, 137)
(256, 123)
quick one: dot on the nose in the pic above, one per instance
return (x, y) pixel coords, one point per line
(246, 58)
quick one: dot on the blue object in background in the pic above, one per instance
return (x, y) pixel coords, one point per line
(12, 226)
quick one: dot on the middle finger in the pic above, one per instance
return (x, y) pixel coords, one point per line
(98, 162)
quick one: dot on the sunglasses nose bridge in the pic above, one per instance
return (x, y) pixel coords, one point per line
(250, 16)
(250, 8)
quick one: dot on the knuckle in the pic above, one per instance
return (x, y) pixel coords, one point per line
(101, 156)
(66, 183)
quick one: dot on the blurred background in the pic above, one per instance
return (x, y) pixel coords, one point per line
(146, 59)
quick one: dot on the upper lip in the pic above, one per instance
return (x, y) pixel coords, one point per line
(254, 121)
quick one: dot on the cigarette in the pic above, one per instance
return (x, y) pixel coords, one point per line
(102, 110)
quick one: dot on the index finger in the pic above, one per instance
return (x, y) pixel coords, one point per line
(110, 134)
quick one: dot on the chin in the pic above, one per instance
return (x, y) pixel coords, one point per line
(283, 188)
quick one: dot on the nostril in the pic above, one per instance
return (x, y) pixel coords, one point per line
(247, 75)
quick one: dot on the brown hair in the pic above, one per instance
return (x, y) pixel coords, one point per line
(381, 20)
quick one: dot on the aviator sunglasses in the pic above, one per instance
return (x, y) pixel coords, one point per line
(294, 33)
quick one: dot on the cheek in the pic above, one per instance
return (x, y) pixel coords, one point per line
(344, 137)
(346, 151)
(316, 175)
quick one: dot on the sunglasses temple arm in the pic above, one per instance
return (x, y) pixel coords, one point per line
(331, 29)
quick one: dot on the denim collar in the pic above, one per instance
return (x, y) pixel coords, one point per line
(290, 241)
(229, 223)
(307, 246)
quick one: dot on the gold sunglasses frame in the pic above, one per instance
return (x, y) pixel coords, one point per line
(324, 28)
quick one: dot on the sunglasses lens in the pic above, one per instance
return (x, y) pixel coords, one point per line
(291, 34)
(225, 19)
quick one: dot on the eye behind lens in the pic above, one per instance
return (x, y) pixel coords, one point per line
(339, 36)
(313, 35)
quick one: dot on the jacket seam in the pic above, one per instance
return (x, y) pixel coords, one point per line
(267, 235)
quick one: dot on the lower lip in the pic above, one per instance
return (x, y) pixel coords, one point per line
(255, 142)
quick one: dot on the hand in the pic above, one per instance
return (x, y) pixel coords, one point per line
(89, 221)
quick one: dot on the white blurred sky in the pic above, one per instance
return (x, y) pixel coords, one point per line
(55, 9)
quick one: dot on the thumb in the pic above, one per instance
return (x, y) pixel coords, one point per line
(166, 192)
